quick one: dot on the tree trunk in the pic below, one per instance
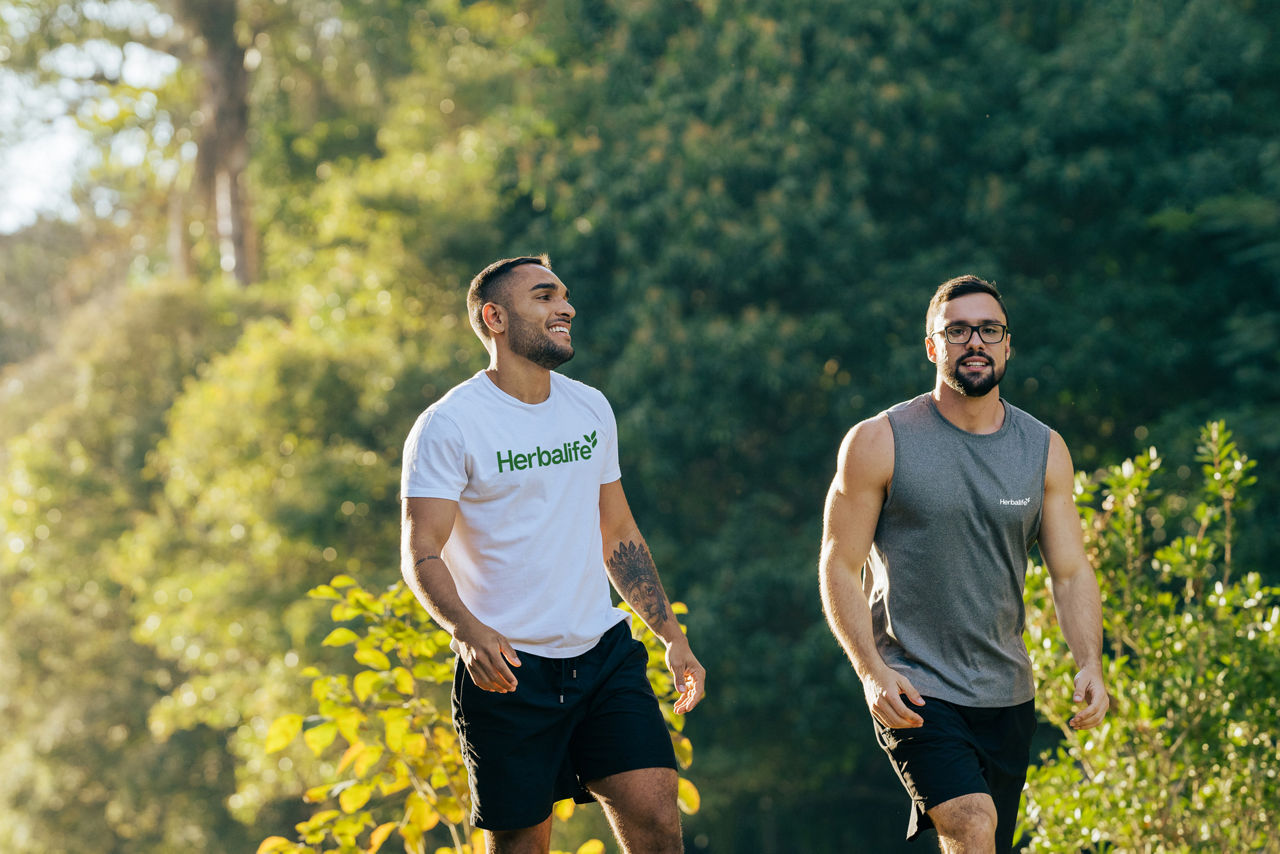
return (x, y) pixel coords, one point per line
(224, 143)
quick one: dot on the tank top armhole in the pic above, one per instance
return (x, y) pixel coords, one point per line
(893, 475)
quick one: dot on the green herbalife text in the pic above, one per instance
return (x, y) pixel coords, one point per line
(569, 452)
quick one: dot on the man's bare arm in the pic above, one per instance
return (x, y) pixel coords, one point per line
(633, 574)
(1074, 584)
(425, 528)
(863, 474)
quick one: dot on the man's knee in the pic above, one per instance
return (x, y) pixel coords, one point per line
(526, 840)
(641, 807)
(966, 824)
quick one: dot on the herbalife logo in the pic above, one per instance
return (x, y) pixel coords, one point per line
(569, 452)
(1016, 502)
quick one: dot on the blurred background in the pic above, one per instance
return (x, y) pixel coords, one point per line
(236, 240)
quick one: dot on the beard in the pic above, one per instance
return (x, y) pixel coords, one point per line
(536, 344)
(969, 385)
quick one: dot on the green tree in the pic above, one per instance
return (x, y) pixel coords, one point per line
(1187, 759)
(752, 202)
(84, 767)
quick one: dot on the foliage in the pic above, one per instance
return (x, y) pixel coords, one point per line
(1188, 758)
(402, 770)
(83, 762)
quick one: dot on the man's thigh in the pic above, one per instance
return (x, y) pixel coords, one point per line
(961, 751)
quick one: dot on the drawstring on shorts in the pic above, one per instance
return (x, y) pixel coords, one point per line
(565, 665)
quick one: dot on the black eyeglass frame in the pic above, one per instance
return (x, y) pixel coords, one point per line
(945, 332)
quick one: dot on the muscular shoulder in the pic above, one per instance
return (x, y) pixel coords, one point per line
(866, 454)
(1059, 472)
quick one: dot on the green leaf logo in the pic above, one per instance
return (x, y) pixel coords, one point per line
(590, 439)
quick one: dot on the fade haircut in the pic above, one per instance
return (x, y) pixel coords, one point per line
(958, 287)
(488, 286)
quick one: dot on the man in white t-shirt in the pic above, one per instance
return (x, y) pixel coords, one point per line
(515, 523)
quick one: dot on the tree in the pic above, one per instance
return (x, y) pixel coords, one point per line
(752, 203)
(1187, 759)
(84, 767)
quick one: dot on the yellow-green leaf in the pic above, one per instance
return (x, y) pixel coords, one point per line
(563, 810)
(354, 797)
(273, 843)
(379, 836)
(420, 814)
(451, 810)
(320, 737)
(349, 721)
(342, 581)
(284, 730)
(591, 846)
(439, 778)
(397, 727)
(404, 681)
(340, 637)
(684, 749)
(398, 782)
(316, 794)
(374, 658)
(415, 745)
(350, 755)
(367, 757)
(365, 683)
(687, 797)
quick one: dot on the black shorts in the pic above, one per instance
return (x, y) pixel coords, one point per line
(570, 721)
(963, 750)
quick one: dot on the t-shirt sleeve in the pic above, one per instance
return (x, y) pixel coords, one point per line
(434, 459)
(611, 471)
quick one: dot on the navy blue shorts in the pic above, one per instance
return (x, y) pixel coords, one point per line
(570, 721)
(962, 750)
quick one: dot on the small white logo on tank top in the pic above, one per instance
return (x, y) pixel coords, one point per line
(1016, 502)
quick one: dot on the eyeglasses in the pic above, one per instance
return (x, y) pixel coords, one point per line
(961, 333)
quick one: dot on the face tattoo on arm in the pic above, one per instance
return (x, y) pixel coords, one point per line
(637, 577)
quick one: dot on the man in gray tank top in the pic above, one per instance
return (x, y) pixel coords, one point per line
(934, 506)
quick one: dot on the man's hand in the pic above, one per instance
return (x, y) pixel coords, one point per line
(486, 655)
(1091, 690)
(689, 675)
(884, 693)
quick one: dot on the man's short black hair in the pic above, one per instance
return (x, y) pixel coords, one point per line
(487, 287)
(958, 287)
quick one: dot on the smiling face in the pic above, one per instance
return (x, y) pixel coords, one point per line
(534, 315)
(974, 368)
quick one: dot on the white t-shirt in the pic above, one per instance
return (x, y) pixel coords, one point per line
(525, 552)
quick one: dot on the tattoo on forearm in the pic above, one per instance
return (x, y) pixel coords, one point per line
(423, 560)
(636, 578)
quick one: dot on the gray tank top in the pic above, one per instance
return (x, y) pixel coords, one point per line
(946, 571)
